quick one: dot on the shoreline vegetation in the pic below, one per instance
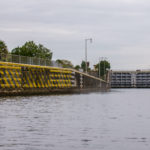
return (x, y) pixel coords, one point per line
(31, 49)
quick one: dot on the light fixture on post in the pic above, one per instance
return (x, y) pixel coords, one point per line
(86, 67)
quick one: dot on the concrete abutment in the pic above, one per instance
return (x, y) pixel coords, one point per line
(22, 79)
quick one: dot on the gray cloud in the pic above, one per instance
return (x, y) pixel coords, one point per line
(120, 29)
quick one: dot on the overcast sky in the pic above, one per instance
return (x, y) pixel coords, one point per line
(120, 29)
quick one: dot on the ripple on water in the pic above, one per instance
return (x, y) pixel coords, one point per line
(76, 122)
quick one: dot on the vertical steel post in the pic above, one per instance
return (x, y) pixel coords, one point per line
(86, 67)
(99, 69)
(86, 55)
(19, 59)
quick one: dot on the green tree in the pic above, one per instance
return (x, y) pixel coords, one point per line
(83, 66)
(3, 47)
(65, 63)
(103, 66)
(32, 50)
(77, 67)
(44, 52)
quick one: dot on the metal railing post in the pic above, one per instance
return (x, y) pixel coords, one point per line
(27, 60)
(30, 61)
(19, 59)
(39, 61)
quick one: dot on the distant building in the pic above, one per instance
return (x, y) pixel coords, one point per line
(130, 79)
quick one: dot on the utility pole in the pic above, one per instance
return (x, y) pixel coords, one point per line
(104, 66)
(86, 67)
(99, 68)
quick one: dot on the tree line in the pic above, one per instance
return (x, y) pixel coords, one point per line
(31, 49)
(28, 49)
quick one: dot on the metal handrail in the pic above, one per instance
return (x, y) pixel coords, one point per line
(28, 60)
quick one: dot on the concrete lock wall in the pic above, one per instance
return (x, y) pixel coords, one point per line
(85, 81)
(21, 79)
(130, 79)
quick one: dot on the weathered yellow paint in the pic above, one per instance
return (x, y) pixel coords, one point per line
(13, 75)
(9, 67)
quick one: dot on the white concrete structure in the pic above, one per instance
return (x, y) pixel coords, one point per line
(128, 79)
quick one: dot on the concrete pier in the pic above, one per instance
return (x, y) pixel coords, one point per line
(22, 79)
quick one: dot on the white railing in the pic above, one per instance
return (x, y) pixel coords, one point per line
(27, 60)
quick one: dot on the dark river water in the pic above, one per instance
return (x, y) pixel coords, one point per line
(115, 120)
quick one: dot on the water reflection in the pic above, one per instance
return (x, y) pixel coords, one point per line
(114, 120)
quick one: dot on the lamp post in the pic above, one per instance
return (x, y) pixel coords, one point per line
(90, 39)
(104, 65)
(100, 59)
(99, 68)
